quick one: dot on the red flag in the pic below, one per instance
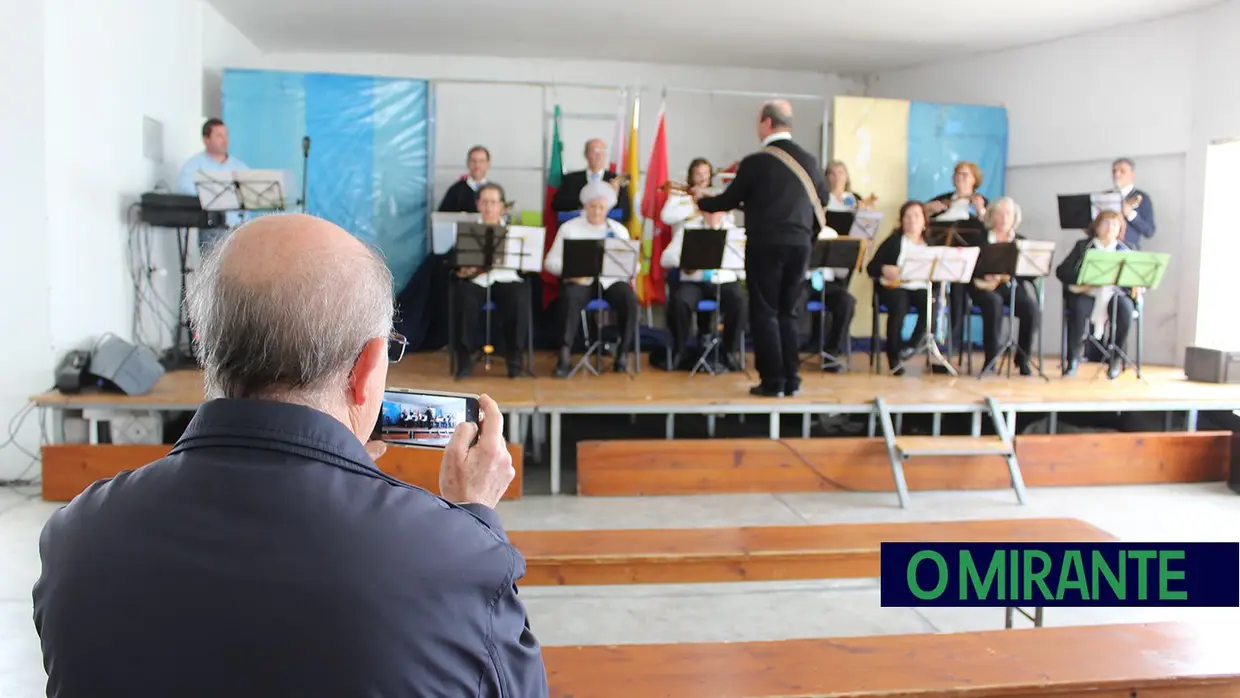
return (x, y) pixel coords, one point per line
(555, 174)
(653, 198)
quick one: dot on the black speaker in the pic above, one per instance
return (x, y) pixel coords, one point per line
(133, 370)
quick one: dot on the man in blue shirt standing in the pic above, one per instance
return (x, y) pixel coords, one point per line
(214, 157)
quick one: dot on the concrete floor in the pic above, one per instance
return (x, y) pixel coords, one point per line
(716, 612)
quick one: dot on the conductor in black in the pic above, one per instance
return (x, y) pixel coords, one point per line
(780, 189)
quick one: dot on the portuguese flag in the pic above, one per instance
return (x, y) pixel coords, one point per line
(555, 175)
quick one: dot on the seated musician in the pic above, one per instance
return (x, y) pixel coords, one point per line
(831, 285)
(1091, 305)
(967, 207)
(695, 285)
(508, 291)
(597, 198)
(992, 292)
(884, 268)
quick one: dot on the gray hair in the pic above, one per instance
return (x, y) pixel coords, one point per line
(292, 337)
(599, 190)
(1011, 203)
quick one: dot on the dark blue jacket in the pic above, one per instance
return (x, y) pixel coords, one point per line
(1142, 224)
(267, 556)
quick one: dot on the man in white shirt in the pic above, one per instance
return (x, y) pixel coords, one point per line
(696, 285)
(462, 195)
(213, 158)
(596, 199)
(568, 196)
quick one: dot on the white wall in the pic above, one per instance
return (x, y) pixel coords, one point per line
(509, 118)
(222, 45)
(73, 165)
(1071, 111)
(148, 63)
(25, 320)
(1216, 115)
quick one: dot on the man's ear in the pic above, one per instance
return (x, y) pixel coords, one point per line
(372, 359)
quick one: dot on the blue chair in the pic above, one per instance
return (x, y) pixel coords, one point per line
(713, 338)
(487, 309)
(595, 346)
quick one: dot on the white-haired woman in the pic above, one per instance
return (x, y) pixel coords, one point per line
(597, 198)
(991, 292)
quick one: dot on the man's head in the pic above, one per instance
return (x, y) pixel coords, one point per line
(1123, 172)
(490, 200)
(596, 155)
(775, 116)
(597, 198)
(294, 309)
(215, 137)
(479, 162)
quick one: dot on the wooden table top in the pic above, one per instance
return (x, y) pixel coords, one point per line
(1079, 660)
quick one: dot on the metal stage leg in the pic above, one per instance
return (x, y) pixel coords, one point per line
(805, 426)
(1190, 421)
(774, 425)
(555, 452)
(671, 426)
(710, 426)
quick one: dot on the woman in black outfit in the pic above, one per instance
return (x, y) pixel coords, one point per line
(884, 268)
(991, 292)
(1092, 304)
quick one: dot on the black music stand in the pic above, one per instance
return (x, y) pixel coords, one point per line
(1074, 211)
(834, 253)
(1003, 259)
(484, 246)
(704, 249)
(584, 258)
(840, 221)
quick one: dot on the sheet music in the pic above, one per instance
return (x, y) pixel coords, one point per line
(866, 224)
(620, 257)
(1104, 201)
(1036, 258)
(523, 248)
(261, 190)
(734, 250)
(956, 264)
(217, 190)
(443, 230)
(917, 263)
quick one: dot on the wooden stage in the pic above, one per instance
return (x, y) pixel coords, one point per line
(538, 404)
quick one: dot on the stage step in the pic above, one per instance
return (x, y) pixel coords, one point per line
(901, 448)
(1168, 660)
(758, 553)
(636, 467)
(909, 446)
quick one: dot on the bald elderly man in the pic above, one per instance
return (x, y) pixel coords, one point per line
(267, 555)
(568, 196)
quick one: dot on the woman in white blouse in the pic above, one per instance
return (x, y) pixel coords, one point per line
(696, 285)
(597, 198)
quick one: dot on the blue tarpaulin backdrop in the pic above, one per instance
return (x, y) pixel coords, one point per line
(369, 155)
(940, 135)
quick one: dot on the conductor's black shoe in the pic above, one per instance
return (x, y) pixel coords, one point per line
(765, 391)
(514, 367)
(1023, 367)
(792, 387)
(564, 365)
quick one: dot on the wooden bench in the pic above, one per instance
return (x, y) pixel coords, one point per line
(1158, 660)
(761, 553)
(70, 468)
(860, 464)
